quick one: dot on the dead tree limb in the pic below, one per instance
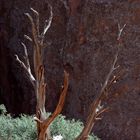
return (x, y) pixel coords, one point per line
(95, 107)
(93, 113)
(45, 124)
(39, 80)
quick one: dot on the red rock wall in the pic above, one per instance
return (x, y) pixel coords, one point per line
(82, 40)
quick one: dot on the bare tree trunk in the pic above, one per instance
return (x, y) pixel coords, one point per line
(43, 122)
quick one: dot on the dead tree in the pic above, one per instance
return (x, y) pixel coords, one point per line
(96, 108)
(38, 80)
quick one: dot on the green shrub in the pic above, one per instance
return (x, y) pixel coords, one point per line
(24, 127)
(69, 129)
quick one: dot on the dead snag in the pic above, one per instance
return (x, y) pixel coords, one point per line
(95, 108)
(39, 80)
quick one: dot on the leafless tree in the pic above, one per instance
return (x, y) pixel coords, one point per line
(96, 108)
(43, 122)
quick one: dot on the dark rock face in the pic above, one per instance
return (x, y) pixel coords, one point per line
(82, 40)
(16, 92)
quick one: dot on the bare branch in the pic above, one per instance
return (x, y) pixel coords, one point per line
(109, 75)
(98, 119)
(59, 107)
(120, 31)
(26, 55)
(34, 31)
(114, 79)
(36, 119)
(101, 111)
(21, 63)
(37, 47)
(28, 38)
(37, 19)
(93, 108)
(35, 12)
(40, 86)
(27, 62)
(24, 66)
(48, 23)
(93, 113)
(61, 100)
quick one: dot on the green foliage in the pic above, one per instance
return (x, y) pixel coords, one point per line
(24, 127)
(3, 109)
(69, 129)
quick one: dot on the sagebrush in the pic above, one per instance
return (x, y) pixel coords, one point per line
(24, 127)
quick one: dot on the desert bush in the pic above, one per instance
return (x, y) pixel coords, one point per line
(24, 127)
(69, 129)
